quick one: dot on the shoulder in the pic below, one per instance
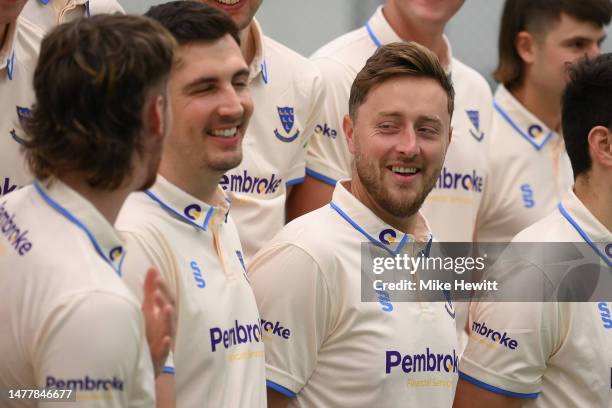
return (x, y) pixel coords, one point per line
(468, 81)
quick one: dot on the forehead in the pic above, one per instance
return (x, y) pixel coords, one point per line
(214, 58)
(406, 96)
(568, 26)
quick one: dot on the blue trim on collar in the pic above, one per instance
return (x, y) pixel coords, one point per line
(321, 177)
(264, 72)
(57, 207)
(280, 389)
(583, 234)
(375, 39)
(10, 65)
(209, 214)
(176, 213)
(400, 246)
(520, 131)
(494, 389)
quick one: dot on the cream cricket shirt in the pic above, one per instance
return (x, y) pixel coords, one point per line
(327, 348)
(69, 322)
(562, 354)
(452, 205)
(288, 95)
(530, 167)
(46, 14)
(219, 353)
(17, 63)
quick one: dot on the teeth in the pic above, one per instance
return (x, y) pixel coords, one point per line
(228, 1)
(404, 170)
(231, 132)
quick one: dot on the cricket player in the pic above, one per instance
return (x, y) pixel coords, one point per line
(287, 91)
(453, 203)
(556, 354)
(19, 44)
(182, 225)
(324, 345)
(94, 135)
(529, 166)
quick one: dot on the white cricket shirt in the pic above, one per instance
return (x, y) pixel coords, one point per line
(325, 347)
(530, 169)
(556, 354)
(219, 354)
(69, 321)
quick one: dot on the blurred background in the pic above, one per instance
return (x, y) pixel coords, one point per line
(306, 25)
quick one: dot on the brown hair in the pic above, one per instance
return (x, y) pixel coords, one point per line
(536, 16)
(399, 59)
(587, 102)
(92, 81)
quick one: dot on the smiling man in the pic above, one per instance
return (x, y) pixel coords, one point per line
(537, 41)
(335, 349)
(182, 224)
(288, 95)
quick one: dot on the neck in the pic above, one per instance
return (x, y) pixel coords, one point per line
(109, 203)
(428, 35)
(543, 105)
(201, 185)
(4, 27)
(595, 193)
(404, 224)
(247, 44)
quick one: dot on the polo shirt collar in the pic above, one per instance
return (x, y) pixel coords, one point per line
(258, 66)
(189, 209)
(525, 123)
(371, 226)
(82, 213)
(592, 231)
(381, 33)
(7, 53)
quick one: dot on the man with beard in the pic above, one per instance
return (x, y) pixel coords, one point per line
(95, 135)
(182, 224)
(287, 91)
(324, 345)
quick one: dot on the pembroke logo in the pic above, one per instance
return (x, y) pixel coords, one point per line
(474, 117)
(287, 119)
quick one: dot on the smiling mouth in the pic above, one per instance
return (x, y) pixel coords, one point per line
(405, 171)
(228, 2)
(225, 133)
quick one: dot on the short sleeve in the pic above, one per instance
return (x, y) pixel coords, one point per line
(295, 306)
(94, 344)
(509, 346)
(328, 158)
(314, 97)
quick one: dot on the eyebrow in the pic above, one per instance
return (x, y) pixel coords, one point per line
(211, 80)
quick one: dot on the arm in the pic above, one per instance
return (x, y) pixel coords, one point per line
(165, 391)
(277, 400)
(469, 395)
(308, 196)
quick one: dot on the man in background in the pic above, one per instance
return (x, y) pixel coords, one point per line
(529, 168)
(288, 95)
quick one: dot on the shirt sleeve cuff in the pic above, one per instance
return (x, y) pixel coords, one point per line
(496, 382)
(282, 382)
(322, 177)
